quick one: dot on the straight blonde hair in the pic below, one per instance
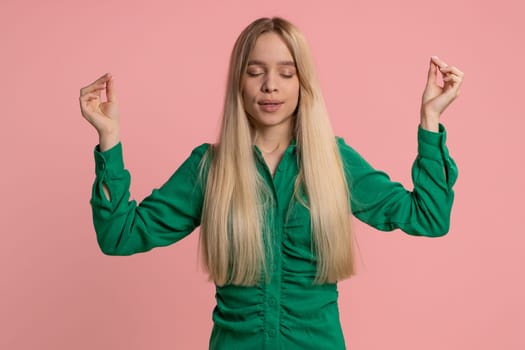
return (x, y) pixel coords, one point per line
(232, 224)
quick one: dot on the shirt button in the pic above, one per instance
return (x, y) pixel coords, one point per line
(271, 301)
(271, 332)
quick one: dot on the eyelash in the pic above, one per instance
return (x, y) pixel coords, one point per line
(286, 76)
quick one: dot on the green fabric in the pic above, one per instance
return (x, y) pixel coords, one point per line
(286, 311)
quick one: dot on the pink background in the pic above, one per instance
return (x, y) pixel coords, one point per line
(169, 59)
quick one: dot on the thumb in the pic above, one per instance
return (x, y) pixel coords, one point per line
(432, 72)
(110, 90)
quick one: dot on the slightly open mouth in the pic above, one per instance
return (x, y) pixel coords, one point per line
(270, 103)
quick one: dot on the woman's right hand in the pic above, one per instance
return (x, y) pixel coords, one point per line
(104, 116)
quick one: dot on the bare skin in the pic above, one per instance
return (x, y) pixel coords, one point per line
(271, 76)
(435, 98)
(104, 116)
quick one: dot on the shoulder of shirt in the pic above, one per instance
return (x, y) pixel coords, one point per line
(341, 143)
(348, 153)
(199, 151)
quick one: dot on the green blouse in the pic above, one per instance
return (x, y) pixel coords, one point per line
(286, 311)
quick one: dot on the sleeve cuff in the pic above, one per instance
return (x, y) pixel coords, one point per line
(109, 159)
(430, 143)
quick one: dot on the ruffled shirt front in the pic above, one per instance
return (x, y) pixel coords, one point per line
(286, 311)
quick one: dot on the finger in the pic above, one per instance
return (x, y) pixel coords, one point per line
(455, 83)
(84, 99)
(439, 62)
(455, 79)
(451, 69)
(91, 88)
(432, 72)
(101, 80)
(111, 95)
(451, 79)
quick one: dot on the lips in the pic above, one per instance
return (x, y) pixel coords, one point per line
(269, 102)
(269, 105)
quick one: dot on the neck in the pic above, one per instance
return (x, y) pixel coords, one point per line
(273, 139)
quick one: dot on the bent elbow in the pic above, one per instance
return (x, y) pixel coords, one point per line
(438, 229)
(113, 248)
(440, 233)
(115, 251)
(108, 251)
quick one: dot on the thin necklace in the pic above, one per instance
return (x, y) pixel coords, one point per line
(270, 152)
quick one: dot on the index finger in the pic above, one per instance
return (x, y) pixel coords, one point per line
(100, 80)
(439, 62)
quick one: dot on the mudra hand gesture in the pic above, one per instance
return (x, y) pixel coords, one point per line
(436, 98)
(104, 116)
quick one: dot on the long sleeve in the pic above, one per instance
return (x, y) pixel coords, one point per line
(167, 215)
(387, 205)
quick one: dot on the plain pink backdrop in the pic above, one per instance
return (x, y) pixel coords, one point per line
(169, 60)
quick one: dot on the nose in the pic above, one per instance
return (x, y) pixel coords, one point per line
(269, 84)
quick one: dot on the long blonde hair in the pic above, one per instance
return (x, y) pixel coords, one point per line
(232, 226)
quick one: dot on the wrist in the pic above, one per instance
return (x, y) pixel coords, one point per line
(108, 140)
(430, 122)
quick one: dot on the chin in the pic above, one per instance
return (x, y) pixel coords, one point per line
(270, 120)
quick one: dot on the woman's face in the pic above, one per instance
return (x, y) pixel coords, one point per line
(270, 86)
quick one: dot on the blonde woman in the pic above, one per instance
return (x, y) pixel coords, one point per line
(274, 195)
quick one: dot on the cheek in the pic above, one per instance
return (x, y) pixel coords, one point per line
(294, 86)
(296, 97)
(247, 93)
(295, 91)
(247, 101)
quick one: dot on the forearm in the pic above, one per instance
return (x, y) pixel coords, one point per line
(430, 122)
(108, 140)
(387, 205)
(167, 215)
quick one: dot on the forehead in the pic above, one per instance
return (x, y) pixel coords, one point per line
(270, 48)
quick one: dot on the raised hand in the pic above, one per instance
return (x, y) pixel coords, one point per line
(104, 116)
(437, 98)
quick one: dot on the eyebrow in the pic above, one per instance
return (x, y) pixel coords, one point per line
(280, 63)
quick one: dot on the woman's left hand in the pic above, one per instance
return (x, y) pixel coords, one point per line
(436, 98)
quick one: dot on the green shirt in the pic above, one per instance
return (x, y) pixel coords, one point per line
(287, 311)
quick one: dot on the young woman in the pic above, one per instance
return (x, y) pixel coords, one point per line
(273, 196)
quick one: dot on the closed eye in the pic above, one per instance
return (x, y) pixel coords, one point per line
(285, 75)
